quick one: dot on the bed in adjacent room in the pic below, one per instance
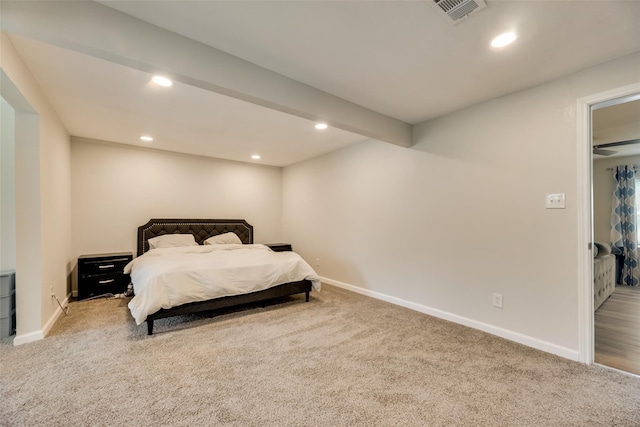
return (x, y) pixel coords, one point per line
(189, 266)
(604, 274)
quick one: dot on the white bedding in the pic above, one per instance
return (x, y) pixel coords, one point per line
(168, 277)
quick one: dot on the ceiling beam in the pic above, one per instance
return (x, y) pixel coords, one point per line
(108, 34)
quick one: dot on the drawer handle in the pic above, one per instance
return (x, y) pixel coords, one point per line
(102, 282)
(107, 266)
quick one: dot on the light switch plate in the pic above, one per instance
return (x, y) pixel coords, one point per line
(555, 201)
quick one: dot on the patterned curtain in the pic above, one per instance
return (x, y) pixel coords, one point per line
(623, 222)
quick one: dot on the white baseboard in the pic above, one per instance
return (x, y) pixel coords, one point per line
(40, 334)
(28, 337)
(545, 346)
(55, 316)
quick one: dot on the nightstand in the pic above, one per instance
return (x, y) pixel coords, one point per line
(279, 247)
(102, 274)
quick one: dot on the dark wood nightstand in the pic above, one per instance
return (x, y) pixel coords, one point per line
(102, 274)
(279, 247)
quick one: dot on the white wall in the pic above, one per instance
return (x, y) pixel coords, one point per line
(603, 193)
(116, 188)
(42, 180)
(442, 226)
(55, 199)
(7, 187)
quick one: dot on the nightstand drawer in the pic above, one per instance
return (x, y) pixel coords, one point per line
(107, 265)
(103, 284)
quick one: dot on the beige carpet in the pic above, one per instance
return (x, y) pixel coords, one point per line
(341, 359)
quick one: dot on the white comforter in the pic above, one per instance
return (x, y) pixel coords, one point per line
(168, 277)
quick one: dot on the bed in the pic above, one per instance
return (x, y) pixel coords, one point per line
(604, 274)
(172, 280)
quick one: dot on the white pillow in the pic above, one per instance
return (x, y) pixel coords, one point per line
(172, 241)
(223, 239)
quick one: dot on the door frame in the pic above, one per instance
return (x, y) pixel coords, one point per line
(586, 342)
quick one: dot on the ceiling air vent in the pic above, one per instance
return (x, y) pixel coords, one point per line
(459, 9)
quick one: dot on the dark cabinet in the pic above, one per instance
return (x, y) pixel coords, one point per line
(7, 304)
(102, 274)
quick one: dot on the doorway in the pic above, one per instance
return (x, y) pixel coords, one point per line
(615, 132)
(584, 202)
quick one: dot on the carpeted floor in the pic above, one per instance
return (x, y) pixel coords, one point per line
(340, 360)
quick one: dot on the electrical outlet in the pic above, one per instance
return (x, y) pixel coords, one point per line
(317, 262)
(497, 300)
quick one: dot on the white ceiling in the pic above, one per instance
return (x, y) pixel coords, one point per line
(403, 59)
(105, 101)
(406, 59)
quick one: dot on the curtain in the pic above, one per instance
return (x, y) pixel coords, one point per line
(623, 222)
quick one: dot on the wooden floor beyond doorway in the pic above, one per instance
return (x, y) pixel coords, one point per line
(617, 330)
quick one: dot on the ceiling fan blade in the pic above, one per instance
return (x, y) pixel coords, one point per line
(602, 152)
(618, 143)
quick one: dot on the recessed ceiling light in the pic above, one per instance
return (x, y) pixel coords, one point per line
(146, 138)
(162, 81)
(256, 157)
(321, 126)
(504, 39)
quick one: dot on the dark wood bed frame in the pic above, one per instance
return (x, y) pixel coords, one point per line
(202, 229)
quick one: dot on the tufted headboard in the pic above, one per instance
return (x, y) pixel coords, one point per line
(201, 229)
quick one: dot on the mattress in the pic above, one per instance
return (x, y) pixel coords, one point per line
(169, 277)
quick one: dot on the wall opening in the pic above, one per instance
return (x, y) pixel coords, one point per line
(21, 222)
(585, 214)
